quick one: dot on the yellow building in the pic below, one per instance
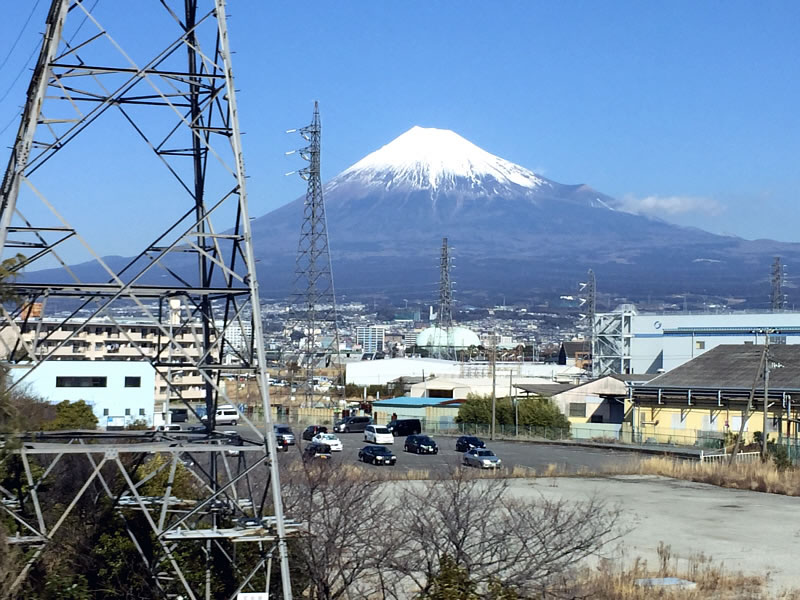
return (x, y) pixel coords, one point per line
(707, 399)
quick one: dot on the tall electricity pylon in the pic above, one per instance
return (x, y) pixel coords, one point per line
(445, 316)
(777, 298)
(74, 189)
(314, 299)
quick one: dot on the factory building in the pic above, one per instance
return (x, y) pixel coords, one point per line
(631, 342)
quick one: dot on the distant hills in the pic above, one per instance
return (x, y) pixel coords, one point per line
(513, 232)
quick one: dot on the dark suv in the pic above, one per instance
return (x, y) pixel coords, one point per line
(421, 444)
(349, 424)
(313, 451)
(284, 435)
(312, 430)
(405, 426)
(467, 442)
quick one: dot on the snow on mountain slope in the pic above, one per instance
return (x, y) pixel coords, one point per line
(437, 160)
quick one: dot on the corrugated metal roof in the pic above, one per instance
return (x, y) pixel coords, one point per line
(412, 401)
(734, 367)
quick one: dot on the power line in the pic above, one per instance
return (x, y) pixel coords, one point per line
(19, 35)
(21, 71)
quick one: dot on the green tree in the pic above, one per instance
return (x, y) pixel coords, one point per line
(541, 412)
(478, 409)
(72, 415)
(451, 583)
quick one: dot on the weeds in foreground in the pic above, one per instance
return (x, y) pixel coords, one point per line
(757, 477)
(611, 581)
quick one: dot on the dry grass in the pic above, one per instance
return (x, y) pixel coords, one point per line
(609, 581)
(757, 477)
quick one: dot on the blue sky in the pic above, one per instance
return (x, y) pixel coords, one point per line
(686, 110)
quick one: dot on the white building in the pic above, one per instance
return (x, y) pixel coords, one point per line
(119, 392)
(371, 338)
(627, 341)
(117, 341)
(381, 372)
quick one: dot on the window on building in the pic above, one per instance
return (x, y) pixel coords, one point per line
(127, 412)
(94, 382)
(700, 345)
(577, 409)
(141, 412)
(133, 381)
(105, 412)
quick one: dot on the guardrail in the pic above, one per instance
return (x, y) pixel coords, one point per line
(741, 457)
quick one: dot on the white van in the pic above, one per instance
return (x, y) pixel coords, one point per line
(227, 415)
(378, 434)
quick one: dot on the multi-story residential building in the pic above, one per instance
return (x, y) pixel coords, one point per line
(74, 340)
(371, 338)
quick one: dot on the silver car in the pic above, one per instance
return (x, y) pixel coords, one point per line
(481, 457)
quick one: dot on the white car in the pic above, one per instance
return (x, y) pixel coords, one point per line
(378, 434)
(328, 438)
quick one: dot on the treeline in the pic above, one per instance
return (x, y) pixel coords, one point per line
(534, 411)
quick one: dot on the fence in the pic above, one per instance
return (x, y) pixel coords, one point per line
(596, 432)
(723, 457)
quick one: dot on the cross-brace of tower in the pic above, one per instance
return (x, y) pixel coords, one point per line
(314, 301)
(190, 280)
(777, 298)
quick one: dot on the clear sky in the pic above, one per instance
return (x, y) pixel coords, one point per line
(686, 110)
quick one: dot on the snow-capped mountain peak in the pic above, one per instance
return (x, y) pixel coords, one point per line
(435, 159)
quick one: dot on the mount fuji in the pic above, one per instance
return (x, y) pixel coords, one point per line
(513, 232)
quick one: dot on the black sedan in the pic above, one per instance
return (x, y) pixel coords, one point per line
(377, 455)
(421, 444)
(312, 430)
(467, 442)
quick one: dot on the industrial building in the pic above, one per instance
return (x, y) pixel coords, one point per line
(707, 398)
(628, 341)
(381, 372)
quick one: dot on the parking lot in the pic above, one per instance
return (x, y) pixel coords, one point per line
(525, 454)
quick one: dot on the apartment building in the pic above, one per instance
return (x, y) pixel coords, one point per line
(75, 340)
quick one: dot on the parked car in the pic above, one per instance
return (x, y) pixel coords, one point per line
(377, 455)
(481, 457)
(349, 424)
(313, 430)
(421, 444)
(225, 415)
(232, 438)
(405, 426)
(283, 433)
(328, 439)
(315, 450)
(468, 442)
(378, 434)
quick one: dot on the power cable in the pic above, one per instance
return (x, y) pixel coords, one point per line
(19, 35)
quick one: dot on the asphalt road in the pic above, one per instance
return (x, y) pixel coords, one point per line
(526, 454)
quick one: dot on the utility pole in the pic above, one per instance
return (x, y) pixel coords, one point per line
(766, 396)
(494, 385)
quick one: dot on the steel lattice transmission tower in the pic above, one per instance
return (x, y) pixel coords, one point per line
(777, 298)
(157, 122)
(314, 293)
(444, 317)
